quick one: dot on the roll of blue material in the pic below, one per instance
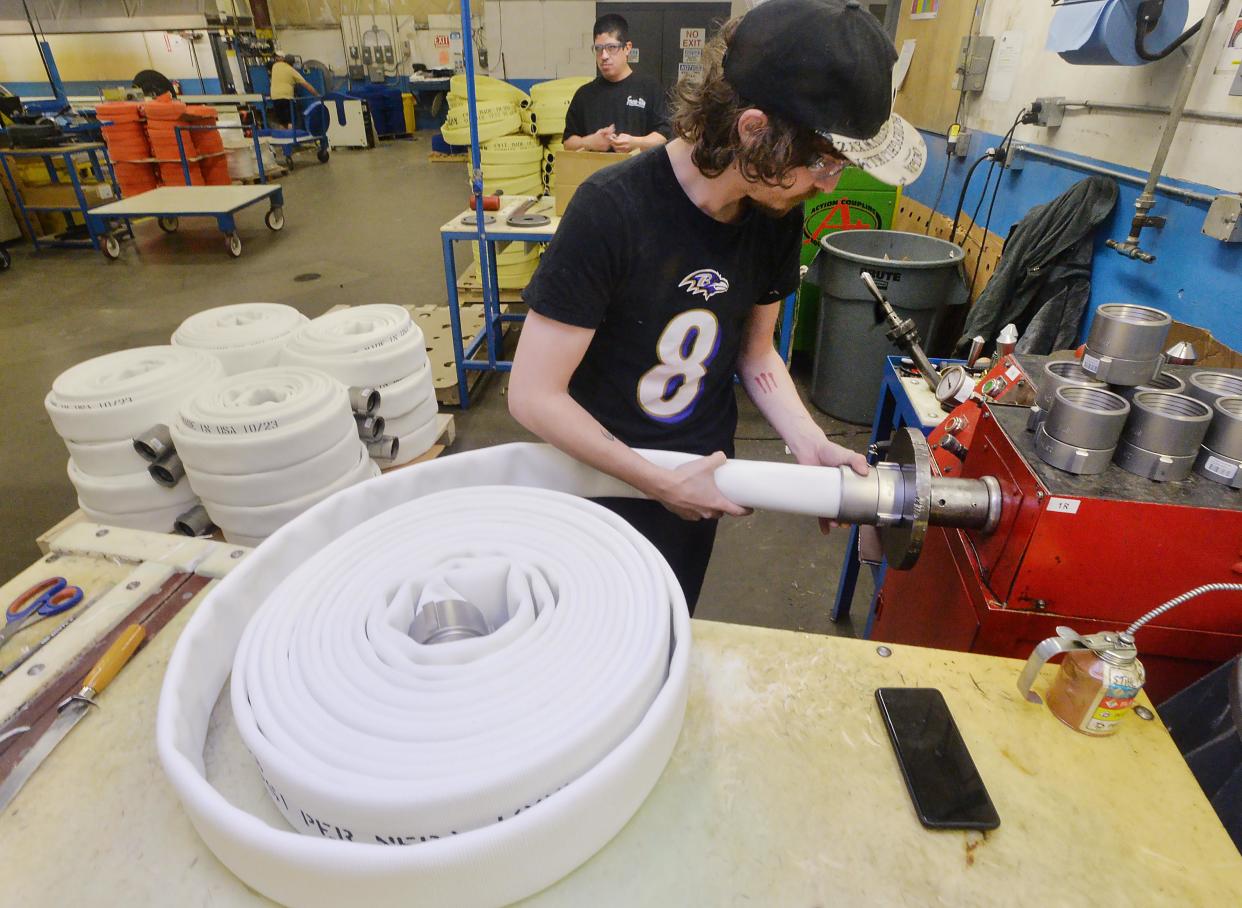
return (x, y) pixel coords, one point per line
(1102, 33)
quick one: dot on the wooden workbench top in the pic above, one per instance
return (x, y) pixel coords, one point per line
(783, 790)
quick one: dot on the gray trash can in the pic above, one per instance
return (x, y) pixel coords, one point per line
(920, 275)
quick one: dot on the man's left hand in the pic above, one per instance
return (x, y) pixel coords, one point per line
(830, 454)
(625, 143)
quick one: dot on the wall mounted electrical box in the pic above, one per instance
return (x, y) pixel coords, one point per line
(1224, 219)
(972, 63)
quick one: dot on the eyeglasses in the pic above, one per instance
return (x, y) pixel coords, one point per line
(609, 49)
(827, 165)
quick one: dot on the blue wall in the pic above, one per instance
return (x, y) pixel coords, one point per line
(1196, 279)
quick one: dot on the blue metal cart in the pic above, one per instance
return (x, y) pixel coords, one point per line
(170, 203)
(66, 194)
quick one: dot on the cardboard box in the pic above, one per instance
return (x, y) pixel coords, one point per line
(572, 167)
(57, 195)
(1212, 353)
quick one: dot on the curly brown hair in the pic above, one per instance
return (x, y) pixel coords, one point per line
(705, 114)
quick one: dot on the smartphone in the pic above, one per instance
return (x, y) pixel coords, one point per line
(947, 790)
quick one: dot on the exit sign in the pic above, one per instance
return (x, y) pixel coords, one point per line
(692, 37)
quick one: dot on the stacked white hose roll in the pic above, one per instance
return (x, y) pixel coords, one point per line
(550, 103)
(376, 346)
(244, 336)
(98, 406)
(263, 446)
(534, 744)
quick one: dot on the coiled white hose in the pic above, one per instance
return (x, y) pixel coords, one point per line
(115, 396)
(376, 346)
(98, 406)
(263, 446)
(244, 336)
(557, 724)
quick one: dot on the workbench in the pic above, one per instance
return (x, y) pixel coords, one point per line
(782, 790)
(491, 336)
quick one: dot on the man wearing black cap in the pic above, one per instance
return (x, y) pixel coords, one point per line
(664, 276)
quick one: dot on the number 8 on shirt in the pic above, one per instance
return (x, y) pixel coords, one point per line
(668, 391)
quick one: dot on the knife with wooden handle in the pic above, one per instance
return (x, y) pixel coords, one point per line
(72, 709)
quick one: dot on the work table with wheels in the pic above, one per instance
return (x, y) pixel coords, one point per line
(171, 203)
(782, 790)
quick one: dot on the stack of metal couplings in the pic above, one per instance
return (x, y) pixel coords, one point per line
(1118, 406)
(1220, 457)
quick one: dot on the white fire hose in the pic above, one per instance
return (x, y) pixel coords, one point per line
(98, 406)
(376, 346)
(471, 772)
(263, 446)
(243, 336)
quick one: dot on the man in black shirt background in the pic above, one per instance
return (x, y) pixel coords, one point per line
(621, 110)
(665, 274)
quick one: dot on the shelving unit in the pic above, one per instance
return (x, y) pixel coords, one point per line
(66, 193)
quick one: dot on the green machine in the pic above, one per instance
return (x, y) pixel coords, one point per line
(859, 202)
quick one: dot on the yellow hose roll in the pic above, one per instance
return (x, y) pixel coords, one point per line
(512, 149)
(514, 253)
(496, 118)
(488, 89)
(529, 121)
(508, 171)
(557, 91)
(551, 125)
(527, 185)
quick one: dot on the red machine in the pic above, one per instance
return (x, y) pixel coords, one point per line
(1092, 552)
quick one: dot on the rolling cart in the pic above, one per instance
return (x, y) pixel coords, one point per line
(171, 203)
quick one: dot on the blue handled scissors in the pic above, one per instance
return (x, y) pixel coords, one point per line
(43, 600)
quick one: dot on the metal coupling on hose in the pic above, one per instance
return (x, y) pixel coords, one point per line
(903, 498)
(364, 400)
(168, 471)
(154, 443)
(384, 448)
(194, 522)
(370, 428)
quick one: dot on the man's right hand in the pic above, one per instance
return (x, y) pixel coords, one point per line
(690, 491)
(601, 139)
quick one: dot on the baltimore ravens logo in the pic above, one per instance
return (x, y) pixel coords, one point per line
(705, 281)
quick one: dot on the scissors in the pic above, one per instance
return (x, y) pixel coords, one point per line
(43, 600)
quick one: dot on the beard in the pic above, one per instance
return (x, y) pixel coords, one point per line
(777, 210)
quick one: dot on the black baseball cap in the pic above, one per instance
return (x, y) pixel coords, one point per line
(826, 65)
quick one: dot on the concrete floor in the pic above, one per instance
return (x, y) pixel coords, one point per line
(359, 229)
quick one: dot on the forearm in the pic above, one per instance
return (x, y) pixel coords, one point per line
(766, 379)
(575, 143)
(563, 423)
(652, 140)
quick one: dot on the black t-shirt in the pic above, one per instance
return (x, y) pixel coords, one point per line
(668, 290)
(635, 105)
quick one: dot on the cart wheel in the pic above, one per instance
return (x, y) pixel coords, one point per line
(112, 247)
(234, 245)
(323, 156)
(169, 224)
(275, 219)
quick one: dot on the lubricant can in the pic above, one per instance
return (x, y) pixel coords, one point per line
(1095, 688)
(1096, 684)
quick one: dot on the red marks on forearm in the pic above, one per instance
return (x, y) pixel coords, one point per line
(766, 382)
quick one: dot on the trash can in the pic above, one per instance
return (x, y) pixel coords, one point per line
(921, 276)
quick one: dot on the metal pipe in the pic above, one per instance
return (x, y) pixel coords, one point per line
(167, 471)
(1205, 116)
(194, 522)
(154, 443)
(364, 400)
(1179, 102)
(370, 428)
(1115, 174)
(384, 448)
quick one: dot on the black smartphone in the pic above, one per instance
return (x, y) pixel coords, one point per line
(947, 790)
